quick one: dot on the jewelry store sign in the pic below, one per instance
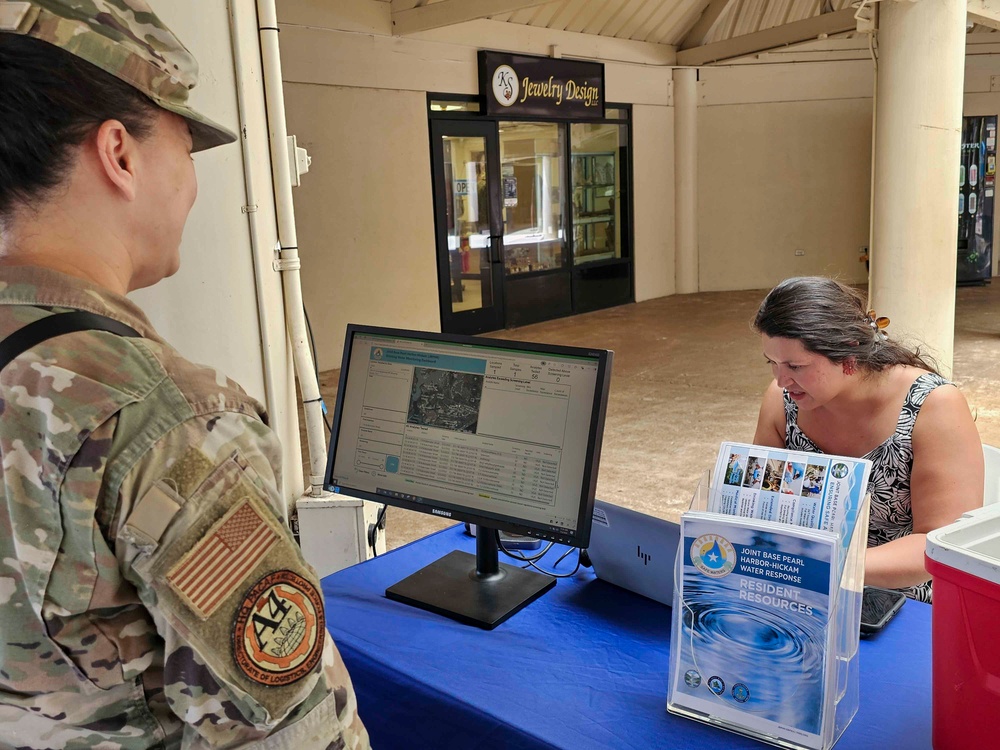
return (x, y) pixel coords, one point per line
(526, 85)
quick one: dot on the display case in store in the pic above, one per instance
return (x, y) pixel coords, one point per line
(594, 192)
(528, 250)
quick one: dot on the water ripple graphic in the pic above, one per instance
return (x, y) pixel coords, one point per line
(763, 655)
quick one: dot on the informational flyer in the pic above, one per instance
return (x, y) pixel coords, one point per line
(753, 635)
(812, 490)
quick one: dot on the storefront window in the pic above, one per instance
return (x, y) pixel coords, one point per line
(598, 175)
(533, 217)
(531, 175)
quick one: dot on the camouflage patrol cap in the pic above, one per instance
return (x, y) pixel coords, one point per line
(125, 39)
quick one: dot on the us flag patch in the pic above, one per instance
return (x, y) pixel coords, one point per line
(210, 571)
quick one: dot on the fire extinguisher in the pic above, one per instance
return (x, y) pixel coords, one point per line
(464, 250)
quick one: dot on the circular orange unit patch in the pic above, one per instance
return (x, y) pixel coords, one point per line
(279, 628)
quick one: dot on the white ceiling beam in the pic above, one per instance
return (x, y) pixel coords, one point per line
(987, 22)
(450, 12)
(985, 12)
(780, 36)
(696, 36)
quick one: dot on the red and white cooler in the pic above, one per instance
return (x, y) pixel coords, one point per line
(964, 559)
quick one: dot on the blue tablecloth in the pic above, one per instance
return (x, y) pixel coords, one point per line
(583, 667)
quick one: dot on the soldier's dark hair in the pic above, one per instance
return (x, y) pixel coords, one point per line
(831, 319)
(50, 102)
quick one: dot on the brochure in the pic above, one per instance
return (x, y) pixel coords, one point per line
(812, 490)
(753, 633)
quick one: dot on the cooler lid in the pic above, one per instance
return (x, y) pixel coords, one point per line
(970, 544)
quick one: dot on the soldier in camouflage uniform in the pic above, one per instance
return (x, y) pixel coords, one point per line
(150, 593)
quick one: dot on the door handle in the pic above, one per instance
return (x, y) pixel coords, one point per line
(495, 248)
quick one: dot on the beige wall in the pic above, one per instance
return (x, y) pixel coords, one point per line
(784, 165)
(776, 178)
(785, 162)
(364, 212)
(653, 200)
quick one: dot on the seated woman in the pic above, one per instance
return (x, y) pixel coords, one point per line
(842, 386)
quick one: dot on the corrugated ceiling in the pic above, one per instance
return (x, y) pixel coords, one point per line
(662, 21)
(668, 22)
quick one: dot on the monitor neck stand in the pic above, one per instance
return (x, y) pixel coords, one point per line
(478, 590)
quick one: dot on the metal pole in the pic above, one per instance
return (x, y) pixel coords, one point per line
(288, 251)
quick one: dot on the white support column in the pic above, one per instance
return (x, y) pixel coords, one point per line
(686, 180)
(918, 107)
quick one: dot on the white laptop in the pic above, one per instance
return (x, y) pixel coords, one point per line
(634, 550)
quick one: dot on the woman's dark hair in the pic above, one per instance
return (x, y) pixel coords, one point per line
(50, 101)
(831, 319)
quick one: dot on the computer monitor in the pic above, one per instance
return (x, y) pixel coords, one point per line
(503, 434)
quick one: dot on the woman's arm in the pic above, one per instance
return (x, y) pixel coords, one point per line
(946, 481)
(771, 420)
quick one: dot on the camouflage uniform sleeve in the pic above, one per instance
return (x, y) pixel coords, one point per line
(247, 658)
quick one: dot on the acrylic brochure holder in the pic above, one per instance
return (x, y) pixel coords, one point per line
(765, 630)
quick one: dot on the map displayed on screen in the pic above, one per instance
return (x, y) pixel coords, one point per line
(448, 400)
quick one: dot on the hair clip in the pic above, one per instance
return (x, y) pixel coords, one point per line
(877, 324)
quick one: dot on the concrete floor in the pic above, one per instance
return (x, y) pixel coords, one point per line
(688, 374)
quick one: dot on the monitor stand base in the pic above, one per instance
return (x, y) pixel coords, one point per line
(452, 587)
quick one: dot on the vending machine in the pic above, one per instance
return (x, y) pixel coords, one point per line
(977, 184)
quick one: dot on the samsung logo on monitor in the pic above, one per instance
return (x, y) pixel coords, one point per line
(445, 513)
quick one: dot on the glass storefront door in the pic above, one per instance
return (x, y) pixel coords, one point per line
(531, 167)
(470, 274)
(536, 271)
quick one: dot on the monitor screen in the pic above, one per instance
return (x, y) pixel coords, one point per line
(503, 434)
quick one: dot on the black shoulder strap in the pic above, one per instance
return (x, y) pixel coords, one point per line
(56, 325)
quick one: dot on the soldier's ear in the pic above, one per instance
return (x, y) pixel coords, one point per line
(117, 155)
